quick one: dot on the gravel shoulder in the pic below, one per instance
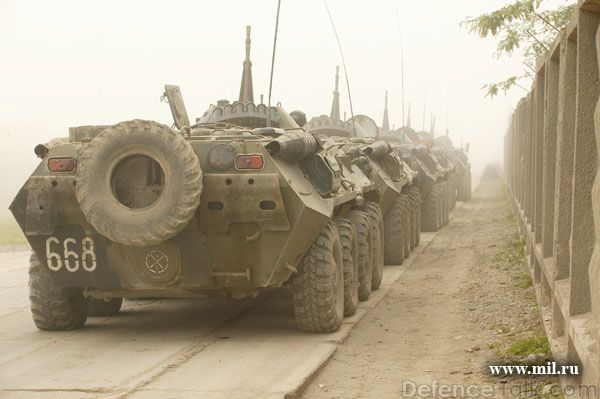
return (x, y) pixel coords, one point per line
(460, 306)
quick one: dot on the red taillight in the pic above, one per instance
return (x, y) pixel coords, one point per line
(250, 161)
(61, 164)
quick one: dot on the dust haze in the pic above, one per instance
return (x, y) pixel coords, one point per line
(68, 63)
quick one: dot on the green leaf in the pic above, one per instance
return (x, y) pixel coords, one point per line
(520, 27)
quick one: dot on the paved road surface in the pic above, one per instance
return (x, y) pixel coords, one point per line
(208, 348)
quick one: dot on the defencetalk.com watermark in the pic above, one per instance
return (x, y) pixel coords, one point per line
(436, 389)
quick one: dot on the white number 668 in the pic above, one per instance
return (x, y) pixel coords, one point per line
(71, 258)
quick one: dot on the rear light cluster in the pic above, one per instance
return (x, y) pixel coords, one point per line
(249, 161)
(61, 165)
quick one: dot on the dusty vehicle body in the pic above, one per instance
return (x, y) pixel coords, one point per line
(375, 158)
(397, 197)
(458, 157)
(357, 138)
(435, 175)
(395, 194)
(233, 244)
(241, 201)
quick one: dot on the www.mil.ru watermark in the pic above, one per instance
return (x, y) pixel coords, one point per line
(436, 389)
(550, 368)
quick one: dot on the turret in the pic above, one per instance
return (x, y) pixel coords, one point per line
(335, 106)
(246, 90)
(385, 126)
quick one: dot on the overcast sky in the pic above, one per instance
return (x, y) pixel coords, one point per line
(69, 63)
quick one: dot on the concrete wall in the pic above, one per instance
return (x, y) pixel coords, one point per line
(551, 151)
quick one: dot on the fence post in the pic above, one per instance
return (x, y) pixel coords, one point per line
(564, 154)
(584, 166)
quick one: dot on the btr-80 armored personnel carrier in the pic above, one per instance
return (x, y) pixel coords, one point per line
(396, 195)
(435, 175)
(458, 157)
(241, 201)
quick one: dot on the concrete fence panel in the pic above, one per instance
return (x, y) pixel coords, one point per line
(551, 150)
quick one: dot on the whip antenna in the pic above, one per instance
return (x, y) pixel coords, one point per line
(273, 64)
(344, 65)
(401, 72)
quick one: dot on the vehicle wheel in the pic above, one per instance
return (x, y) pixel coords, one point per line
(54, 308)
(347, 233)
(406, 205)
(446, 203)
(378, 248)
(430, 214)
(365, 254)
(415, 194)
(318, 286)
(102, 307)
(138, 183)
(394, 234)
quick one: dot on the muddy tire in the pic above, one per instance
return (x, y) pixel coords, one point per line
(415, 195)
(148, 213)
(101, 307)
(454, 185)
(446, 203)
(318, 286)
(394, 234)
(431, 211)
(54, 308)
(408, 222)
(443, 204)
(365, 254)
(378, 246)
(347, 234)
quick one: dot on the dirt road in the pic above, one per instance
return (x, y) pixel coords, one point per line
(461, 304)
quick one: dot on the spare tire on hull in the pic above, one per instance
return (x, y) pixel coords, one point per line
(138, 183)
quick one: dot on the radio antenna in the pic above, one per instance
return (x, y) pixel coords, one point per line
(273, 64)
(401, 71)
(343, 64)
(424, 103)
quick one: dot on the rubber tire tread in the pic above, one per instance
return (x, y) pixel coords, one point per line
(394, 234)
(54, 308)
(415, 195)
(446, 203)
(314, 291)
(430, 215)
(365, 255)
(407, 212)
(151, 227)
(347, 234)
(378, 248)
